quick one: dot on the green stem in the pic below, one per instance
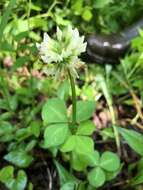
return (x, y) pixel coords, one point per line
(72, 83)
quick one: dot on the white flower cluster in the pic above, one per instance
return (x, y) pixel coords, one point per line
(63, 50)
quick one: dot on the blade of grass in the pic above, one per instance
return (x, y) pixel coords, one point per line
(5, 17)
(101, 81)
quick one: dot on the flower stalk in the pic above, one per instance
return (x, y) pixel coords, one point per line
(73, 90)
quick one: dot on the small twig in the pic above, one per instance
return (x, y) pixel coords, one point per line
(135, 123)
(50, 179)
(104, 142)
(120, 183)
(137, 103)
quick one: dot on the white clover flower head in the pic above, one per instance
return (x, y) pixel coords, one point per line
(63, 51)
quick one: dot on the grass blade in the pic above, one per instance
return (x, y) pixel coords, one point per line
(5, 17)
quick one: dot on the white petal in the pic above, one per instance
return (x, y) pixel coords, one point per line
(46, 37)
(45, 59)
(59, 34)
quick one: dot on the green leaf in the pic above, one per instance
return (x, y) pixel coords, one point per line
(21, 181)
(69, 144)
(35, 128)
(6, 174)
(14, 102)
(112, 175)
(102, 3)
(19, 158)
(84, 145)
(7, 177)
(86, 128)
(82, 151)
(79, 144)
(55, 135)
(64, 175)
(6, 131)
(96, 177)
(7, 137)
(54, 111)
(94, 158)
(137, 180)
(79, 162)
(21, 35)
(30, 145)
(87, 14)
(83, 186)
(109, 161)
(77, 6)
(22, 134)
(85, 110)
(68, 186)
(5, 46)
(140, 164)
(134, 139)
(5, 128)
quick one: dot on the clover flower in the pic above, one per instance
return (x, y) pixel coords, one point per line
(63, 51)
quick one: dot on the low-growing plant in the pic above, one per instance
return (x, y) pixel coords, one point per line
(71, 134)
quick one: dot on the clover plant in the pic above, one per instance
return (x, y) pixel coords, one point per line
(70, 132)
(39, 134)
